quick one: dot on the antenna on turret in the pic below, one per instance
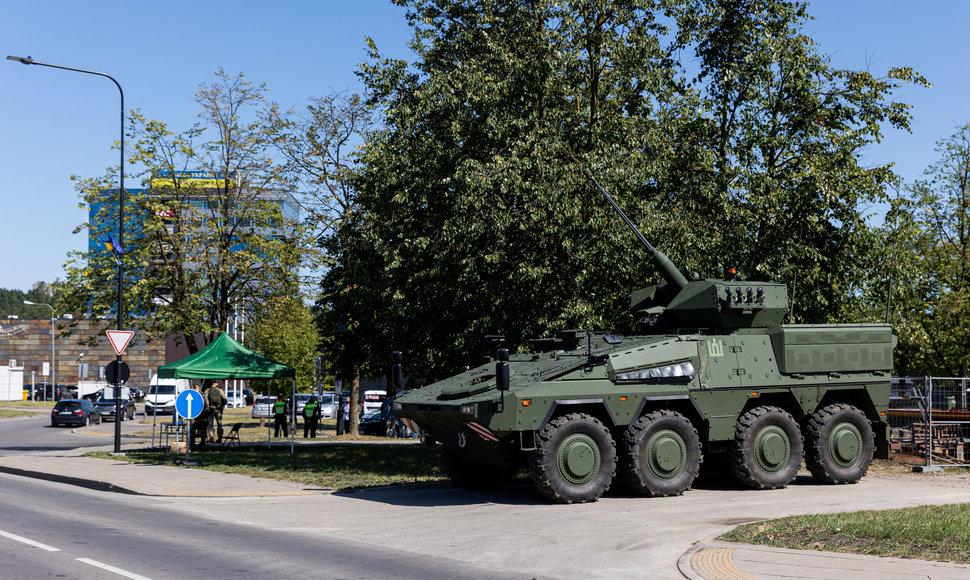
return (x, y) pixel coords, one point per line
(670, 273)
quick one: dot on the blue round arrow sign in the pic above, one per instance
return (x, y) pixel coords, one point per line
(189, 404)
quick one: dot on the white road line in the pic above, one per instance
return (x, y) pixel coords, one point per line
(108, 568)
(29, 542)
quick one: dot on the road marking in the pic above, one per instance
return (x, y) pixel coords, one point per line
(29, 542)
(108, 568)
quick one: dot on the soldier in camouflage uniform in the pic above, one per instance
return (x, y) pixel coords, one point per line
(215, 401)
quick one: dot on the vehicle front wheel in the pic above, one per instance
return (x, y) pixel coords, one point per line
(575, 459)
(662, 454)
(767, 449)
(840, 444)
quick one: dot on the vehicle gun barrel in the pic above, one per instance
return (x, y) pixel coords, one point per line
(668, 270)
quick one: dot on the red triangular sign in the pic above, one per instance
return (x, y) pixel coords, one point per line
(120, 339)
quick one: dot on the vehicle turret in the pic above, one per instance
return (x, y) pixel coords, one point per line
(696, 303)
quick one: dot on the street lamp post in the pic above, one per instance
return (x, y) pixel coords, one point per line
(53, 358)
(121, 220)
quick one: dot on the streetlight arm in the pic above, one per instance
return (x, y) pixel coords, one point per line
(30, 60)
(121, 224)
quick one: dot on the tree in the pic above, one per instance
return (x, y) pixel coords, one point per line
(210, 235)
(931, 243)
(474, 217)
(321, 147)
(284, 330)
(781, 140)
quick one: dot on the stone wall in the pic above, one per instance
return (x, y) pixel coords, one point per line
(28, 342)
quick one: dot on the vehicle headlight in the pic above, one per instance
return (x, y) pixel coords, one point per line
(467, 409)
(684, 370)
(397, 406)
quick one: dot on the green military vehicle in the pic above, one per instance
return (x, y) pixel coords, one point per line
(719, 375)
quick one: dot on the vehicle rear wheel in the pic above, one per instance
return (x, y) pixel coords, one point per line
(662, 454)
(471, 475)
(575, 459)
(840, 444)
(767, 448)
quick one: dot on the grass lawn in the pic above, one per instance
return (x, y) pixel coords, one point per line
(925, 532)
(332, 466)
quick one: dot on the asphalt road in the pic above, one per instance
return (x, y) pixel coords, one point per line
(409, 531)
(50, 529)
(28, 434)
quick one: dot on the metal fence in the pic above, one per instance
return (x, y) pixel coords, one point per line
(930, 420)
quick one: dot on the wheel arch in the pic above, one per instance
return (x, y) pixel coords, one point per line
(595, 407)
(682, 404)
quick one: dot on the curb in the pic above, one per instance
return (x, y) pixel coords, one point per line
(78, 481)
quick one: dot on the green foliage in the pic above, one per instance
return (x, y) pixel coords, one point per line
(473, 217)
(12, 302)
(199, 249)
(284, 330)
(930, 241)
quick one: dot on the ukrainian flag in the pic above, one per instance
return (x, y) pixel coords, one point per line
(112, 244)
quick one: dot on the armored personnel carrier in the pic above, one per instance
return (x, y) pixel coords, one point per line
(719, 375)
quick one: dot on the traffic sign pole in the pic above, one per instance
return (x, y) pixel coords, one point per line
(119, 342)
(189, 404)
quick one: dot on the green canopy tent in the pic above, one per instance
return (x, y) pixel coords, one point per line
(224, 358)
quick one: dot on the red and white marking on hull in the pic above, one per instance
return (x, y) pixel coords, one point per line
(482, 431)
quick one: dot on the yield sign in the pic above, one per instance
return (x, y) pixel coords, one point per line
(120, 339)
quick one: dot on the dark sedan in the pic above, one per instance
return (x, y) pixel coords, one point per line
(107, 408)
(77, 412)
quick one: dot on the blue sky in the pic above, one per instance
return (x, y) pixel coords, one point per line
(56, 123)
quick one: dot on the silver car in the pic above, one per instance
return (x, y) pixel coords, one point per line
(328, 404)
(263, 407)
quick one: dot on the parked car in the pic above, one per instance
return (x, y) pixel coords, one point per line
(239, 398)
(301, 401)
(263, 407)
(77, 412)
(371, 424)
(328, 405)
(107, 407)
(383, 422)
(46, 392)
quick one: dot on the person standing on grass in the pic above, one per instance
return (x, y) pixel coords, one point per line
(280, 409)
(311, 416)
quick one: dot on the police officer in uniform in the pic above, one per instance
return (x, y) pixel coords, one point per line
(311, 416)
(280, 409)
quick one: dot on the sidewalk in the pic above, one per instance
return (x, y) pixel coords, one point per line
(707, 560)
(726, 561)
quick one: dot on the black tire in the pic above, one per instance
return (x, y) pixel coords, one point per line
(839, 444)
(474, 476)
(661, 455)
(767, 449)
(575, 459)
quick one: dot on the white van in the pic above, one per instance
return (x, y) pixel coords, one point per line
(373, 400)
(160, 399)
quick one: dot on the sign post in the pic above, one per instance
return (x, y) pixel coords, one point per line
(119, 342)
(189, 405)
